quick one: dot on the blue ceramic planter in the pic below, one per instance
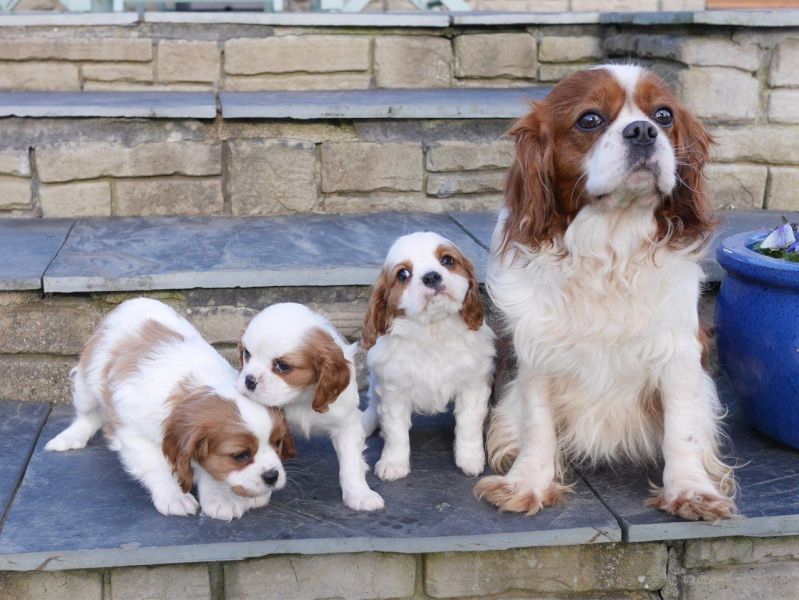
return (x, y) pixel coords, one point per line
(757, 324)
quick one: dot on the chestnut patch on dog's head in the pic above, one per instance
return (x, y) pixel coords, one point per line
(472, 309)
(281, 439)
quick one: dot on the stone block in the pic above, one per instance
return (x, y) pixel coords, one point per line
(297, 81)
(602, 567)
(719, 93)
(495, 55)
(614, 5)
(82, 199)
(683, 5)
(141, 72)
(297, 54)
(222, 324)
(311, 131)
(446, 185)
(736, 186)
(777, 581)
(272, 176)
(710, 553)
(367, 166)
(37, 379)
(383, 201)
(760, 143)
(553, 72)
(784, 69)
(353, 576)
(168, 197)
(183, 60)
(705, 51)
(39, 76)
(520, 5)
(564, 49)
(15, 162)
(16, 192)
(412, 61)
(52, 585)
(783, 106)
(468, 156)
(76, 48)
(783, 192)
(172, 582)
(91, 160)
(46, 328)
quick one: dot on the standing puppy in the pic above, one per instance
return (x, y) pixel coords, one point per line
(428, 345)
(294, 358)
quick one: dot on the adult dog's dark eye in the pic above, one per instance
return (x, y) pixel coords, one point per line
(590, 121)
(403, 275)
(663, 116)
(280, 367)
(447, 260)
(246, 354)
(241, 457)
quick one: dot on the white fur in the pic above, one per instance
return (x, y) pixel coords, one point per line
(428, 358)
(140, 407)
(280, 330)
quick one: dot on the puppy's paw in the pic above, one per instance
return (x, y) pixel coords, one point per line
(364, 500)
(391, 471)
(224, 508)
(65, 441)
(515, 496)
(178, 504)
(258, 501)
(693, 506)
(471, 462)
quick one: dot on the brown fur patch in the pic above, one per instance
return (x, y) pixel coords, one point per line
(695, 507)
(508, 497)
(472, 310)
(383, 304)
(281, 439)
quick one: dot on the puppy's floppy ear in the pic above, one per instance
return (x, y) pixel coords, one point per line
(240, 349)
(472, 309)
(377, 319)
(281, 439)
(332, 369)
(184, 440)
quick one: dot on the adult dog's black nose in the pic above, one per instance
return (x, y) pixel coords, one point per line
(640, 133)
(271, 477)
(432, 279)
(250, 383)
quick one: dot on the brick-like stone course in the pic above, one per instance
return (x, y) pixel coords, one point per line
(171, 582)
(56, 585)
(558, 49)
(783, 193)
(412, 62)
(168, 197)
(76, 48)
(720, 93)
(711, 553)
(16, 192)
(40, 76)
(708, 51)
(182, 60)
(364, 167)
(446, 185)
(469, 156)
(736, 186)
(36, 378)
(297, 54)
(496, 55)
(783, 106)
(140, 72)
(80, 199)
(776, 144)
(784, 69)
(778, 581)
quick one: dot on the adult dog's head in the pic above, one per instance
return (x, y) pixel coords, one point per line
(612, 137)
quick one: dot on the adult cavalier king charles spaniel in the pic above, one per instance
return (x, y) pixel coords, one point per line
(594, 267)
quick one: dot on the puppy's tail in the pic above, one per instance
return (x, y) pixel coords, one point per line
(369, 416)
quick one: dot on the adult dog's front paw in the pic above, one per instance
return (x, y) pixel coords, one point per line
(471, 462)
(364, 500)
(177, 504)
(515, 496)
(693, 505)
(388, 470)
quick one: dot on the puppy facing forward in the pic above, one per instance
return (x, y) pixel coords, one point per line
(170, 408)
(594, 265)
(293, 358)
(427, 345)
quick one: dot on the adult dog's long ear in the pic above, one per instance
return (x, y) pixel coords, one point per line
(332, 369)
(378, 318)
(281, 439)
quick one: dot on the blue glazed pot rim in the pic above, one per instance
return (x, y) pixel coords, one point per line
(738, 259)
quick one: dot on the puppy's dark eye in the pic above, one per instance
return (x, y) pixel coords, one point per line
(247, 355)
(241, 457)
(280, 367)
(663, 116)
(590, 121)
(403, 275)
(447, 260)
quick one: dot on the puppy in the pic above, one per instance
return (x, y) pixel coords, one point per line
(170, 408)
(293, 358)
(594, 265)
(427, 346)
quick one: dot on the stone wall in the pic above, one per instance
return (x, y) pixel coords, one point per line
(717, 569)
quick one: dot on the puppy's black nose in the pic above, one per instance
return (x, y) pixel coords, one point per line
(640, 133)
(250, 383)
(432, 279)
(270, 477)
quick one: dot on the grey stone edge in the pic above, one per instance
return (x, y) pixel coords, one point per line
(774, 526)
(190, 105)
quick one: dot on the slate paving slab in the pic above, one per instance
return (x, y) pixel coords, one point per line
(79, 509)
(768, 499)
(188, 105)
(26, 248)
(20, 424)
(204, 252)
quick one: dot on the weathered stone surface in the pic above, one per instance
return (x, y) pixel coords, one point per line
(784, 190)
(173, 582)
(74, 48)
(118, 72)
(778, 581)
(736, 186)
(602, 567)
(297, 54)
(468, 156)
(409, 201)
(614, 5)
(297, 81)
(706, 51)
(40, 76)
(47, 328)
(412, 61)
(355, 576)
(16, 192)
(720, 93)
(91, 160)
(555, 72)
(312, 131)
(81, 199)
(365, 166)
(520, 5)
(711, 553)
(272, 176)
(760, 143)
(569, 48)
(52, 585)
(15, 162)
(168, 197)
(783, 106)
(680, 5)
(37, 379)
(452, 184)
(784, 68)
(495, 55)
(133, 86)
(221, 324)
(183, 60)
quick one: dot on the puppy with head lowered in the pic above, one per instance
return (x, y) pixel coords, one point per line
(169, 407)
(428, 344)
(295, 359)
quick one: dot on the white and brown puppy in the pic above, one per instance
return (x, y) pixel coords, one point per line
(295, 359)
(594, 266)
(428, 345)
(170, 408)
